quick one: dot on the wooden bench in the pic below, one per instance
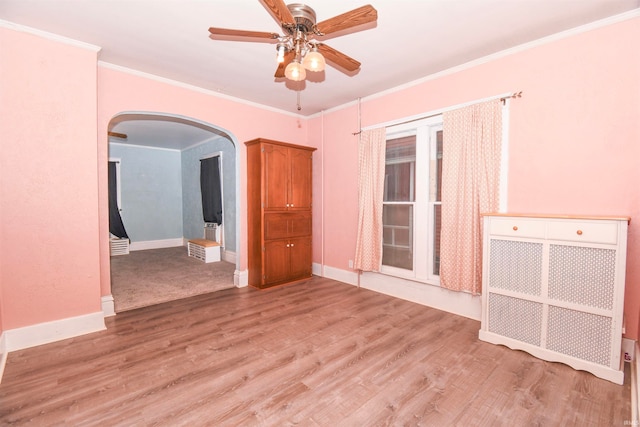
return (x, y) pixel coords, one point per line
(204, 250)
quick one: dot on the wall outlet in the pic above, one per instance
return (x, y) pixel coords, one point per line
(628, 347)
(350, 263)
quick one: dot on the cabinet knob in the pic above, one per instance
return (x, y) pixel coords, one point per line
(515, 228)
(579, 232)
(292, 245)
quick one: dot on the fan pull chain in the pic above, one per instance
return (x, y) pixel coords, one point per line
(299, 106)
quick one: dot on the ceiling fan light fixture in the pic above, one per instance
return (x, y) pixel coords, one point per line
(314, 61)
(295, 71)
(282, 48)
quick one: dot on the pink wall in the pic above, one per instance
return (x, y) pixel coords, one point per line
(574, 136)
(574, 147)
(49, 257)
(55, 111)
(119, 91)
(335, 187)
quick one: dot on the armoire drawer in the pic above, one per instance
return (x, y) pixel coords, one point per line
(286, 225)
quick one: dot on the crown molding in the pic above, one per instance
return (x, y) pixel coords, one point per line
(49, 36)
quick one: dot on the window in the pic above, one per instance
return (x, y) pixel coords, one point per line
(411, 207)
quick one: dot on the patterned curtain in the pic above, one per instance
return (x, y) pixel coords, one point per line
(470, 186)
(371, 163)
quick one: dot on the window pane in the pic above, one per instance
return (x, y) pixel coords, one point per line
(397, 249)
(437, 222)
(399, 182)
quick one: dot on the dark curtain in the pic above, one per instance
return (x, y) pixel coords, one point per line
(116, 227)
(211, 190)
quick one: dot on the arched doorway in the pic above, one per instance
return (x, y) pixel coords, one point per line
(158, 156)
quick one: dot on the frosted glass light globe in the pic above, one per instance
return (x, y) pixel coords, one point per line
(295, 71)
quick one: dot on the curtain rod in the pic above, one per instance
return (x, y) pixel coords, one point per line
(503, 97)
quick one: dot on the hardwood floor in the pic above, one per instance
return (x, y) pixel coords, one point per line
(319, 353)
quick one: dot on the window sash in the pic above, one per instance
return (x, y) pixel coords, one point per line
(423, 223)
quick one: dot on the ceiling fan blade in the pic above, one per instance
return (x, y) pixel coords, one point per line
(288, 57)
(338, 57)
(280, 12)
(117, 135)
(242, 33)
(359, 16)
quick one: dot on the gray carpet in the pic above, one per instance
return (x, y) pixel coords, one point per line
(149, 277)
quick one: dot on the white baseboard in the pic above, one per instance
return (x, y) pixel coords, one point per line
(228, 256)
(108, 306)
(3, 355)
(344, 276)
(316, 269)
(460, 303)
(48, 332)
(156, 244)
(241, 278)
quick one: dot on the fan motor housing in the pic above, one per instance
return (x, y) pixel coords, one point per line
(304, 16)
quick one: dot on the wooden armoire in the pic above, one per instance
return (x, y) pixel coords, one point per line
(279, 212)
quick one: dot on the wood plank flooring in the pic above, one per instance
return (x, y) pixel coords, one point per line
(320, 353)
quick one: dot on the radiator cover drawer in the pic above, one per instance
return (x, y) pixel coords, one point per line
(583, 231)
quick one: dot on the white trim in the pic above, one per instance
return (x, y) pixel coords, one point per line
(144, 146)
(241, 278)
(344, 276)
(459, 303)
(156, 244)
(210, 155)
(212, 139)
(3, 354)
(316, 269)
(48, 332)
(194, 88)
(108, 305)
(485, 59)
(49, 36)
(228, 256)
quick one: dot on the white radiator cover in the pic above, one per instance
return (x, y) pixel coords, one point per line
(554, 286)
(204, 250)
(119, 246)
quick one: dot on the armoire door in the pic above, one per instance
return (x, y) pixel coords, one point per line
(300, 194)
(276, 177)
(276, 262)
(300, 257)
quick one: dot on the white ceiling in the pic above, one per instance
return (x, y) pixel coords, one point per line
(412, 40)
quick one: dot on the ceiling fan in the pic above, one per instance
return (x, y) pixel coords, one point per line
(297, 50)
